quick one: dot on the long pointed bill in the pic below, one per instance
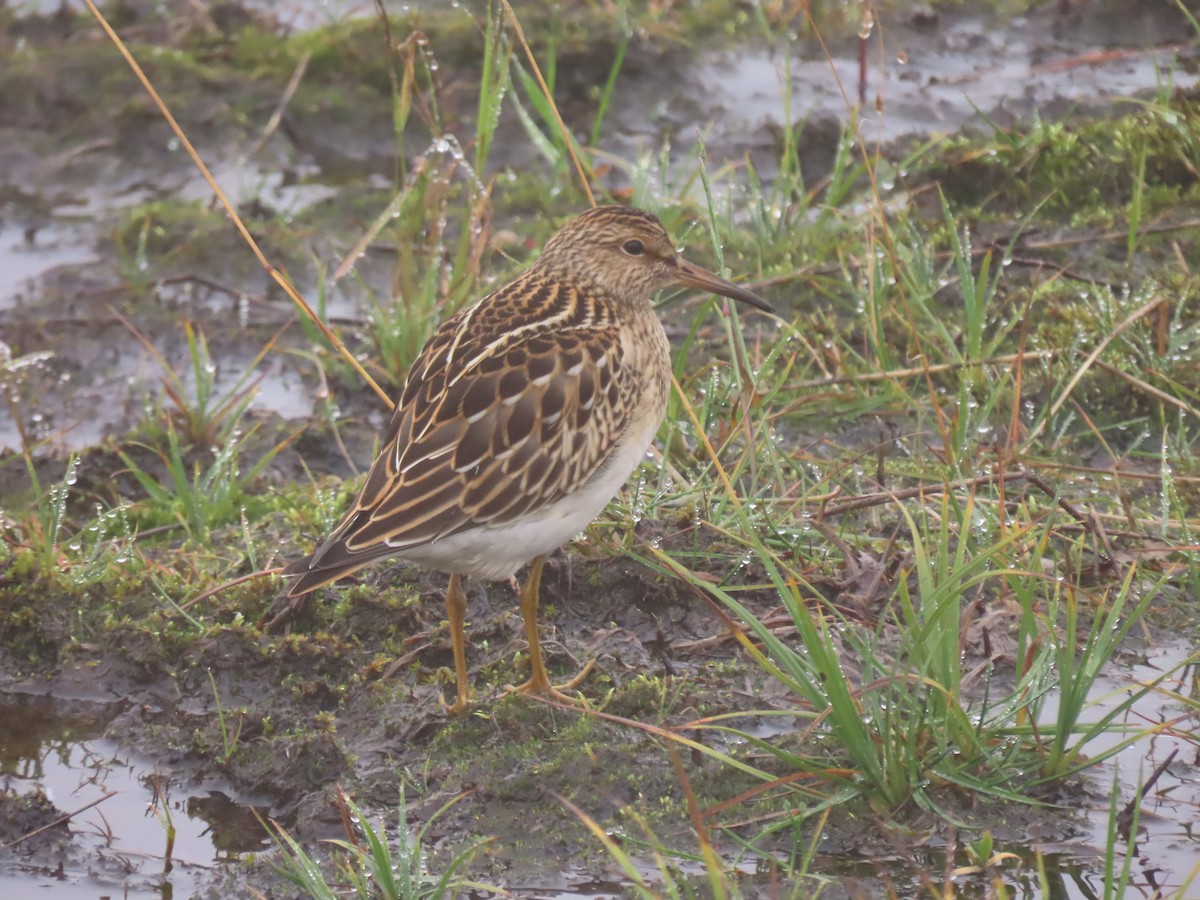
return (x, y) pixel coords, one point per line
(693, 276)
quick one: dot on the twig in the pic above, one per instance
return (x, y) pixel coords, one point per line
(204, 595)
(385, 217)
(1120, 473)
(1006, 360)
(66, 817)
(1125, 817)
(277, 116)
(1087, 362)
(1070, 509)
(1149, 389)
(880, 498)
(1059, 65)
(229, 208)
(1034, 262)
(537, 73)
(1113, 235)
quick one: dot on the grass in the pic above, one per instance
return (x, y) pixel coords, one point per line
(702, 873)
(201, 456)
(47, 517)
(368, 865)
(902, 464)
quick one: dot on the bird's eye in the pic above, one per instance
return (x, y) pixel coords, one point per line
(634, 247)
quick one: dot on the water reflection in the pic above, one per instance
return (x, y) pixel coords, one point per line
(55, 761)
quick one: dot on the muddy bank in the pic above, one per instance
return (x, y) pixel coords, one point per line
(108, 242)
(104, 216)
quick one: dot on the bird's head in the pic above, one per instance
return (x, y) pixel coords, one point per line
(628, 254)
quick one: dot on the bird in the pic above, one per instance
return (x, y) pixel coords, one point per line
(518, 422)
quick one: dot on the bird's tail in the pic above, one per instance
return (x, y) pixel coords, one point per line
(309, 577)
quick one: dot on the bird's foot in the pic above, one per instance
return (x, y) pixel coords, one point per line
(457, 708)
(461, 704)
(543, 687)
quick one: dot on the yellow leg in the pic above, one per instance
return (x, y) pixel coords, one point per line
(539, 682)
(456, 614)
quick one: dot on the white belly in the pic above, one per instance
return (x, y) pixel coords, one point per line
(496, 552)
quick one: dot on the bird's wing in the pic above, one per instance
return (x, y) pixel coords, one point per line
(483, 434)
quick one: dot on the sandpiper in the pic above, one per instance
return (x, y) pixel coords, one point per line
(520, 420)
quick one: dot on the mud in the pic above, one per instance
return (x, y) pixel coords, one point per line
(92, 804)
(70, 252)
(92, 233)
(325, 707)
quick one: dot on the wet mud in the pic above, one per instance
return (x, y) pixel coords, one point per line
(96, 249)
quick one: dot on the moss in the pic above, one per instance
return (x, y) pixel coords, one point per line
(310, 707)
(1077, 172)
(641, 698)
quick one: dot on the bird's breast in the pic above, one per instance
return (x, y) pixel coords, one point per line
(649, 353)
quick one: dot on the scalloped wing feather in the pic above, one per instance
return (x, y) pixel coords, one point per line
(490, 427)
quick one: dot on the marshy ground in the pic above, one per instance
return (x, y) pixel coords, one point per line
(906, 602)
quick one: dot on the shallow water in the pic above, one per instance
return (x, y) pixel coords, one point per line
(928, 74)
(1167, 848)
(958, 71)
(939, 73)
(1167, 845)
(117, 843)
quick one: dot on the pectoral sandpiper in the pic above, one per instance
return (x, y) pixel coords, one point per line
(519, 421)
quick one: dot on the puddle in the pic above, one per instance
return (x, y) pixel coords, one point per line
(938, 73)
(1168, 845)
(58, 293)
(958, 69)
(116, 846)
(26, 255)
(72, 405)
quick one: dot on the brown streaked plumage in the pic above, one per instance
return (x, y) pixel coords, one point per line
(520, 419)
